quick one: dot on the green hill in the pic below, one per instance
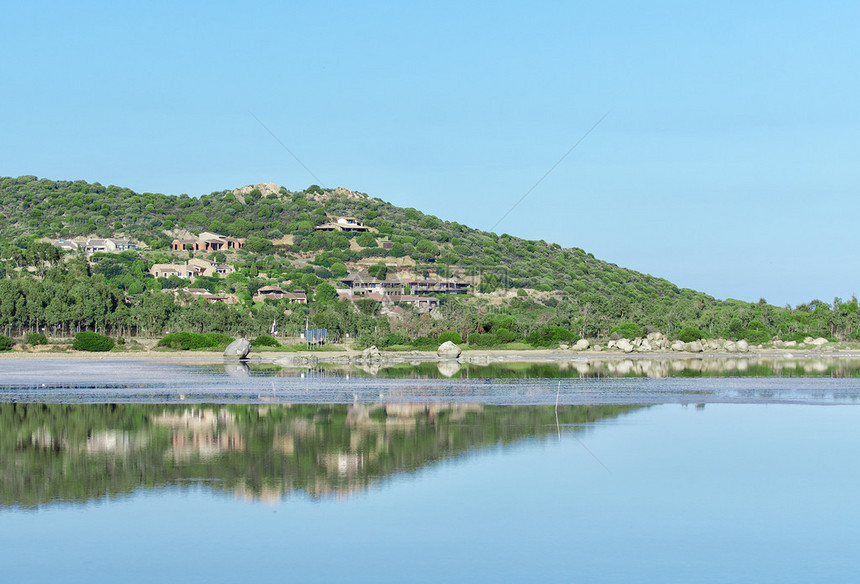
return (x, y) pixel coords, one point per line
(560, 287)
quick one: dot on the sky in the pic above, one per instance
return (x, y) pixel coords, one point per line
(727, 160)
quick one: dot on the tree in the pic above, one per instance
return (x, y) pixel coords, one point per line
(325, 292)
(378, 270)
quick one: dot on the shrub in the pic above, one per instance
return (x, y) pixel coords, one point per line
(265, 341)
(187, 341)
(689, 334)
(483, 340)
(505, 335)
(550, 336)
(628, 330)
(452, 336)
(37, 339)
(90, 341)
(756, 333)
(5, 343)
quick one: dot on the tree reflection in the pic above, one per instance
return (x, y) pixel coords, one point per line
(53, 453)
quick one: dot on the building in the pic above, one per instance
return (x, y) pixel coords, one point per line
(207, 241)
(364, 283)
(191, 269)
(343, 224)
(278, 293)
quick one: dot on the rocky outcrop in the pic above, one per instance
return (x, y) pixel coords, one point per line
(624, 345)
(581, 345)
(238, 349)
(448, 350)
(371, 354)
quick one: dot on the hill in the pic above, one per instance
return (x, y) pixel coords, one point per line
(557, 287)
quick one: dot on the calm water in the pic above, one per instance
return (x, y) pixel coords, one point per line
(709, 477)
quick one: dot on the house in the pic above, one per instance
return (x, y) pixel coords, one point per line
(343, 224)
(208, 241)
(67, 245)
(365, 284)
(108, 245)
(191, 269)
(278, 293)
(439, 287)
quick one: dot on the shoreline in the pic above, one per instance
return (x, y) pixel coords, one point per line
(482, 356)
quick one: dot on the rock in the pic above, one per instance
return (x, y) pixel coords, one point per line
(448, 350)
(564, 347)
(730, 347)
(645, 346)
(677, 346)
(654, 336)
(624, 345)
(693, 347)
(581, 345)
(238, 349)
(790, 344)
(818, 342)
(637, 342)
(371, 354)
(743, 346)
(611, 344)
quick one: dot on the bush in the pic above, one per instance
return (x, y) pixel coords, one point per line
(483, 340)
(90, 341)
(5, 343)
(265, 341)
(550, 336)
(689, 334)
(756, 333)
(37, 339)
(187, 341)
(452, 336)
(628, 330)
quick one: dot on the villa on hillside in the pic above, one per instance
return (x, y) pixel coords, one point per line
(91, 246)
(278, 293)
(191, 269)
(343, 224)
(207, 241)
(366, 284)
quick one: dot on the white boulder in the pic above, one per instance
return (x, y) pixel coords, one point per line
(448, 350)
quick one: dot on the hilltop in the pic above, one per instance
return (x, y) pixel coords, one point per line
(289, 239)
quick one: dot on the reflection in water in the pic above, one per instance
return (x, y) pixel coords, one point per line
(51, 453)
(752, 366)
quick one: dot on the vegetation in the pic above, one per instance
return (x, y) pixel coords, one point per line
(561, 293)
(37, 339)
(186, 341)
(90, 341)
(5, 343)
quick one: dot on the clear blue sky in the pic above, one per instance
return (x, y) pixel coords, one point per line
(728, 162)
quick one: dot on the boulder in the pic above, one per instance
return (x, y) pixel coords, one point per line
(677, 346)
(238, 349)
(817, 342)
(624, 345)
(448, 350)
(581, 345)
(790, 344)
(743, 346)
(730, 347)
(645, 346)
(693, 347)
(564, 347)
(371, 354)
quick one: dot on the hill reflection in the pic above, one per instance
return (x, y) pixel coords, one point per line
(54, 453)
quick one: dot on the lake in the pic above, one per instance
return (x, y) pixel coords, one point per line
(664, 472)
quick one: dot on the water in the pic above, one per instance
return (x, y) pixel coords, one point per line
(706, 479)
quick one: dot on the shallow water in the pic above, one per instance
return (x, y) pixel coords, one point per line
(631, 479)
